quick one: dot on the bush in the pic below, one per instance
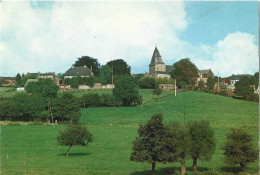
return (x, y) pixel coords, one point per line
(223, 93)
(157, 91)
(147, 82)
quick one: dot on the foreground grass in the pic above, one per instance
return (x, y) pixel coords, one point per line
(33, 149)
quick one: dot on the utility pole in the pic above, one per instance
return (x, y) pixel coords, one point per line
(175, 88)
(218, 81)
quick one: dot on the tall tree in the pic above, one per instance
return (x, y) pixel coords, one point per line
(244, 89)
(18, 79)
(89, 62)
(185, 71)
(119, 67)
(105, 75)
(201, 84)
(238, 149)
(210, 84)
(126, 90)
(74, 135)
(203, 141)
(149, 145)
(256, 79)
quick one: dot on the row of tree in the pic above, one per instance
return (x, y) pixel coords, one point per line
(175, 142)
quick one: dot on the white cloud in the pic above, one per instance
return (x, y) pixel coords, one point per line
(50, 39)
(237, 53)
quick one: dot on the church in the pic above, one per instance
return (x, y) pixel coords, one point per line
(157, 67)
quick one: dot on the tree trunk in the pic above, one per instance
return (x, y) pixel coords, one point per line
(67, 154)
(194, 165)
(153, 168)
(183, 169)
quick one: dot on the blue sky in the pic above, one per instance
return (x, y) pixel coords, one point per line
(50, 36)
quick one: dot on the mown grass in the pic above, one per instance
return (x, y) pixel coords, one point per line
(33, 149)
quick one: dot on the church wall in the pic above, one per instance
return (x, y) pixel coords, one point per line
(160, 67)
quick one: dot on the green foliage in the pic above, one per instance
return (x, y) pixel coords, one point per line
(210, 84)
(26, 77)
(31, 87)
(201, 84)
(47, 88)
(203, 141)
(105, 75)
(185, 71)
(74, 135)
(61, 76)
(89, 62)
(18, 79)
(74, 117)
(96, 100)
(157, 91)
(74, 82)
(244, 89)
(126, 90)
(67, 81)
(238, 149)
(147, 82)
(138, 77)
(64, 106)
(22, 107)
(256, 79)
(120, 67)
(149, 145)
(90, 81)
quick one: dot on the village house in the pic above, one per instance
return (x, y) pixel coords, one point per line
(8, 81)
(157, 67)
(204, 75)
(82, 71)
(50, 75)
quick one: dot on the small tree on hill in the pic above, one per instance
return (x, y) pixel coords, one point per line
(149, 145)
(203, 141)
(244, 89)
(120, 67)
(201, 84)
(238, 149)
(89, 62)
(126, 90)
(157, 91)
(210, 84)
(74, 135)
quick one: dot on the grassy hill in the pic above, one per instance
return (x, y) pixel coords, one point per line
(33, 149)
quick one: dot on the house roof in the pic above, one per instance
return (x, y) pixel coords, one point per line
(206, 71)
(239, 76)
(78, 71)
(47, 74)
(156, 58)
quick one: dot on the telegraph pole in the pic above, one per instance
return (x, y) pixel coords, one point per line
(175, 88)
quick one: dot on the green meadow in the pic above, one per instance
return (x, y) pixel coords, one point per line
(33, 149)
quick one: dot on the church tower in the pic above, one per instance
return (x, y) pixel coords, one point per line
(157, 65)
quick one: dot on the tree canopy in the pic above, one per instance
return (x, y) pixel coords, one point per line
(202, 141)
(184, 71)
(244, 89)
(119, 67)
(105, 75)
(210, 84)
(89, 62)
(238, 149)
(74, 135)
(149, 145)
(126, 90)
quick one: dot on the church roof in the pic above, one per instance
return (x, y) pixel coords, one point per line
(156, 58)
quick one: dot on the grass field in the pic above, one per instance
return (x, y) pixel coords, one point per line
(33, 149)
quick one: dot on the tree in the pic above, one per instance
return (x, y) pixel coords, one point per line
(18, 79)
(126, 90)
(243, 88)
(203, 141)
(210, 84)
(74, 82)
(147, 82)
(64, 106)
(74, 135)
(105, 75)
(90, 81)
(256, 79)
(31, 87)
(157, 91)
(89, 62)
(119, 67)
(150, 143)
(238, 149)
(185, 71)
(201, 84)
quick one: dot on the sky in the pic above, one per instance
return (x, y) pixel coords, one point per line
(50, 36)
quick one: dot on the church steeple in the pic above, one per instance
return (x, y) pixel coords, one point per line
(156, 58)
